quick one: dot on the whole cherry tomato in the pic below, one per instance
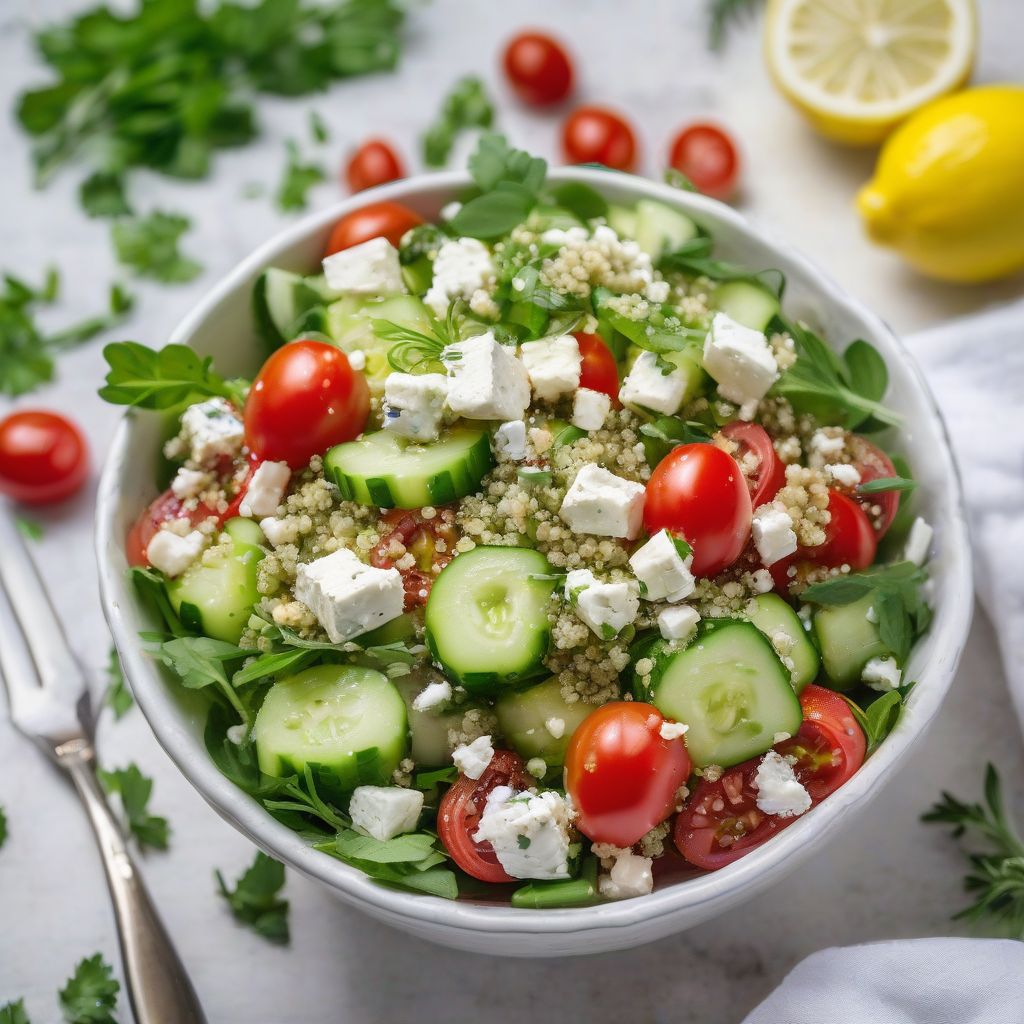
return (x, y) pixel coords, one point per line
(377, 220)
(599, 371)
(373, 163)
(770, 475)
(850, 537)
(873, 464)
(43, 457)
(594, 135)
(707, 156)
(538, 69)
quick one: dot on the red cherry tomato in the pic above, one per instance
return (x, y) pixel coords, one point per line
(538, 69)
(594, 135)
(872, 464)
(373, 163)
(378, 220)
(621, 774)
(708, 157)
(851, 539)
(698, 491)
(162, 510)
(458, 816)
(43, 457)
(305, 399)
(770, 475)
(599, 371)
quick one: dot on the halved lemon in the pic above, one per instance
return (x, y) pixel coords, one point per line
(857, 68)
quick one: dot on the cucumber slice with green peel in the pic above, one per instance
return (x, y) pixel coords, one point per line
(848, 640)
(344, 719)
(689, 364)
(394, 632)
(387, 471)
(661, 229)
(429, 729)
(622, 220)
(563, 433)
(487, 617)
(523, 718)
(773, 616)
(729, 686)
(245, 531)
(747, 302)
(281, 299)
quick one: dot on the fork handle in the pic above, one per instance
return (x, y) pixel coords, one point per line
(158, 987)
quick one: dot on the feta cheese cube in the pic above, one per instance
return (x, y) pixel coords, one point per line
(630, 875)
(607, 608)
(473, 758)
(462, 266)
(432, 696)
(266, 489)
(171, 553)
(187, 483)
(779, 791)
(370, 268)
(510, 440)
(590, 409)
(348, 597)
(739, 359)
(679, 622)
(882, 674)
(485, 380)
(553, 365)
(601, 503)
(774, 536)
(662, 569)
(843, 474)
(529, 832)
(555, 727)
(211, 429)
(414, 404)
(658, 291)
(649, 385)
(919, 541)
(672, 730)
(279, 531)
(385, 811)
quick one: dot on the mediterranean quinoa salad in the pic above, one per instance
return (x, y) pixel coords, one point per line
(542, 552)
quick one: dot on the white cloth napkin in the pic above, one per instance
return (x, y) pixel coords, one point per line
(976, 368)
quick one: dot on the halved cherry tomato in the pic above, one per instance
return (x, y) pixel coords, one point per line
(621, 774)
(458, 816)
(373, 163)
(770, 475)
(599, 371)
(43, 457)
(305, 399)
(538, 69)
(161, 510)
(377, 220)
(851, 538)
(707, 156)
(698, 491)
(872, 464)
(594, 135)
(419, 537)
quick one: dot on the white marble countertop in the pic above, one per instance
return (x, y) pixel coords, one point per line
(888, 877)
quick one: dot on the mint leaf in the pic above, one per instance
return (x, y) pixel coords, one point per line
(466, 106)
(149, 246)
(255, 899)
(90, 995)
(317, 128)
(582, 200)
(135, 789)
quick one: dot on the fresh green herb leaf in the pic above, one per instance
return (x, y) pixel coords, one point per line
(317, 128)
(29, 528)
(582, 200)
(495, 161)
(412, 351)
(694, 257)
(90, 995)
(149, 246)
(679, 180)
(117, 696)
(275, 664)
(724, 13)
(120, 304)
(255, 899)
(466, 106)
(534, 476)
(14, 1013)
(523, 842)
(682, 548)
(879, 718)
(201, 661)
(298, 179)
(102, 195)
(428, 780)
(135, 789)
(869, 376)
(3, 827)
(149, 584)
(886, 483)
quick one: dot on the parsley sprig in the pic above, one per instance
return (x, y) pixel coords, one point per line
(149, 246)
(466, 106)
(255, 899)
(90, 995)
(722, 14)
(299, 177)
(3, 827)
(117, 696)
(135, 789)
(14, 1013)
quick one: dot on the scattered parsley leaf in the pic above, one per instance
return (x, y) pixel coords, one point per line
(683, 549)
(724, 13)
(679, 180)
(14, 1013)
(102, 195)
(879, 718)
(427, 780)
(297, 180)
(882, 484)
(254, 900)
(317, 128)
(90, 995)
(135, 789)
(694, 257)
(29, 528)
(466, 106)
(117, 696)
(149, 246)
(201, 661)
(3, 827)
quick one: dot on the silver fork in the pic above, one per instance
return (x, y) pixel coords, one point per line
(50, 704)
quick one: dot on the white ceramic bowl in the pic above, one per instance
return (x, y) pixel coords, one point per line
(221, 327)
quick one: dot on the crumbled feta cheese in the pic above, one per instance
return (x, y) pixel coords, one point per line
(385, 811)
(414, 404)
(601, 503)
(672, 730)
(370, 268)
(279, 531)
(590, 409)
(236, 733)
(485, 380)
(773, 532)
(607, 608)
(843, 474)
(210, 430)
(663, 571)
(658, 291)
(779, 791)
(357, 360)
(529, 833)
(648, 384)
(433, 695)
(882, 674)
(537, 767)
(553, 365)
(473, 758)
(510, 440)
(677, 623)
(347, 596)
(461, 268)
(762, 581)
(449, 210)
(919, 541)
(630, 875)
(740, 360)
(871, 615)
(562, 236)
(187, 483)
(556, 727)
(825, 444)
(173, 554)
(266, 489)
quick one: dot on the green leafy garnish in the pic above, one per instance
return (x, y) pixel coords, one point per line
(298, 179)
(679, 180)
(102, 195)
(582, 200)
(14, 1013)
(3, 827)
(466, 106)
(318, 128)
(149, 246)
(117, 696)
(682, 548)
(694, 257)
(886, 483)
(879, 718)
(724, 13)
(201, 661)
(90, 995)
(996, 879)
(30, 529)
(135, 789)
(255, 901)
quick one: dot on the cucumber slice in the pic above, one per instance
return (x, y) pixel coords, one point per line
(622, 220)
(730, 688)
(487, 619)
(245, 531)
(429, 729)
(772, 615)
(347, 720)
(387, 471)
(747, 303)
(281, 299)
(848, 641)
(522, 717)
(660, 228)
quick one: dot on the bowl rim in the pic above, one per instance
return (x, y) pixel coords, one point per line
(724, 887)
